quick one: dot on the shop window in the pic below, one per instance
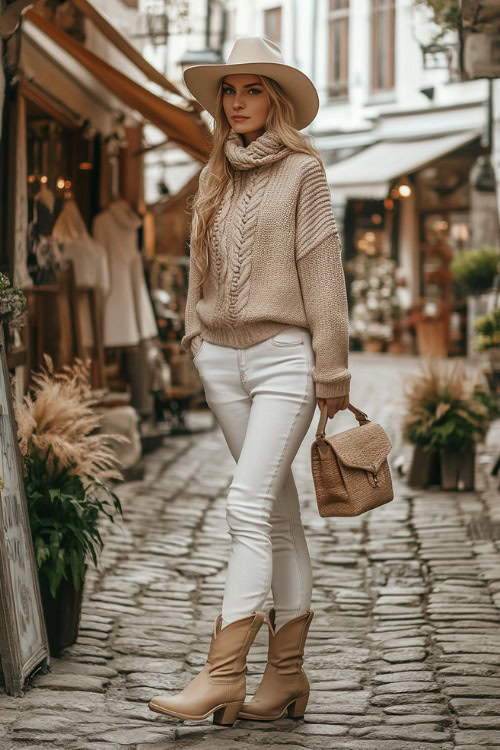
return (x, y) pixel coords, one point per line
(383, 15)
(272, 24)
(371, 227)
(338, 47)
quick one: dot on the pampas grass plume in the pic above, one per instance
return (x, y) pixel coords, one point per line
(58, 414)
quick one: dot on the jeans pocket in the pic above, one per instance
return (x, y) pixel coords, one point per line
(288, 337)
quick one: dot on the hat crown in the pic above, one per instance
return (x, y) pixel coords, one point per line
(252, 49)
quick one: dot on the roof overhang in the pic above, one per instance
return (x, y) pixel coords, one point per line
(369, 173)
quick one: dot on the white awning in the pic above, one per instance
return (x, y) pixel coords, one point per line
(368, 173)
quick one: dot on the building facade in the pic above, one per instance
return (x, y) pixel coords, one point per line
(401, 134)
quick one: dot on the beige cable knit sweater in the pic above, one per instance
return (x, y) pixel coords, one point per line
(275, 261)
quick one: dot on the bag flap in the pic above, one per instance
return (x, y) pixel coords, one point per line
(365, 447)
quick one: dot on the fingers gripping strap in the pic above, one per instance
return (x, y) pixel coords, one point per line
(360, 416)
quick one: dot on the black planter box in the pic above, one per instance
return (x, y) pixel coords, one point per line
(62, 614)
(424, 469)
(457, 470)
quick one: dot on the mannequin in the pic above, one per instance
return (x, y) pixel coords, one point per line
(129, 319)
(89, 260)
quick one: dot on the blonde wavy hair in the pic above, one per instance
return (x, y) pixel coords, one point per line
(219, 170)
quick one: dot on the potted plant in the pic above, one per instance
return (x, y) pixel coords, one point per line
(488, 337)
(474, 271)
(12, 305)
(447, 415)
(66, 468)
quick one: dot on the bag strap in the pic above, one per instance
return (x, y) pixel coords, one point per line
(360, 416)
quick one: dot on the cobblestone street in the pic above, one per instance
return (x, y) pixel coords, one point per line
(404, 648)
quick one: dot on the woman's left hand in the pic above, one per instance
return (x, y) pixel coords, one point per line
(334, 404)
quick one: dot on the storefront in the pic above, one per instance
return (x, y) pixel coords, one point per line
(409, 201)
(74, 227)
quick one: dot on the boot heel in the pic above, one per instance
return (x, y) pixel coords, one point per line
(297, 709)
(227, 715)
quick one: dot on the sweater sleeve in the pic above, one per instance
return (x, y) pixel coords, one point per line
(321, 276)
(192, 339)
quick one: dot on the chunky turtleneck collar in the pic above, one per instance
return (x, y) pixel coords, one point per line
(265, 150)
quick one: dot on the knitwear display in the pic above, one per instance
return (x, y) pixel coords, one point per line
(274, 260)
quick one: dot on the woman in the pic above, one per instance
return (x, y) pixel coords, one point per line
(266, 323)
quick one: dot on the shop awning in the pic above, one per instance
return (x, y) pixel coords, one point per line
(368, 174)
(185, 128)
(121, 43)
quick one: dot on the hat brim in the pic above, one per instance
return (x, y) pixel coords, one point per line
(203, 82)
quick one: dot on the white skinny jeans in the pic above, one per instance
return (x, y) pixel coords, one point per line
(263, 398)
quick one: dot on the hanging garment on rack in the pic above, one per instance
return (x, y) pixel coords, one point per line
(128, 312)
(90, 261)
(44, 250)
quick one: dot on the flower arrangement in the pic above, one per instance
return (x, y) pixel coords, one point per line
(374, 291)
(66, 466)
(12, 303)
(446, 410)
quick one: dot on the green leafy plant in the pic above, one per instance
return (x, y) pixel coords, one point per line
(476, 269)
(445, 13)
(12, 303)
(64, 510)
(446, 409)
(488, 330)
(66, 465)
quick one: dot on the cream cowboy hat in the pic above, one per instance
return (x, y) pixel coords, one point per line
(254, 54)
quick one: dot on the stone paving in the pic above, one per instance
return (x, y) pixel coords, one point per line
(404, 648)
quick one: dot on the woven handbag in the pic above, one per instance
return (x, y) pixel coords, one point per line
(350, 470)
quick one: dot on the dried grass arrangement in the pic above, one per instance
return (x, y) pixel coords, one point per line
(57, 419)
(446, 409)
(66, 466)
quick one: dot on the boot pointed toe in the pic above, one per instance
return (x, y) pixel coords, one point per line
(220, 687)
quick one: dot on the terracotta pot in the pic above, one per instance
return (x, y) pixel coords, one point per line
(62, 614)
(432, 338)
(373, 345)
(424, 469)
(457, 470)
(397, 346)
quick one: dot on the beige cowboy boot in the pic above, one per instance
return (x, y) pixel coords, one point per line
(220, 688)
(284, 686)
